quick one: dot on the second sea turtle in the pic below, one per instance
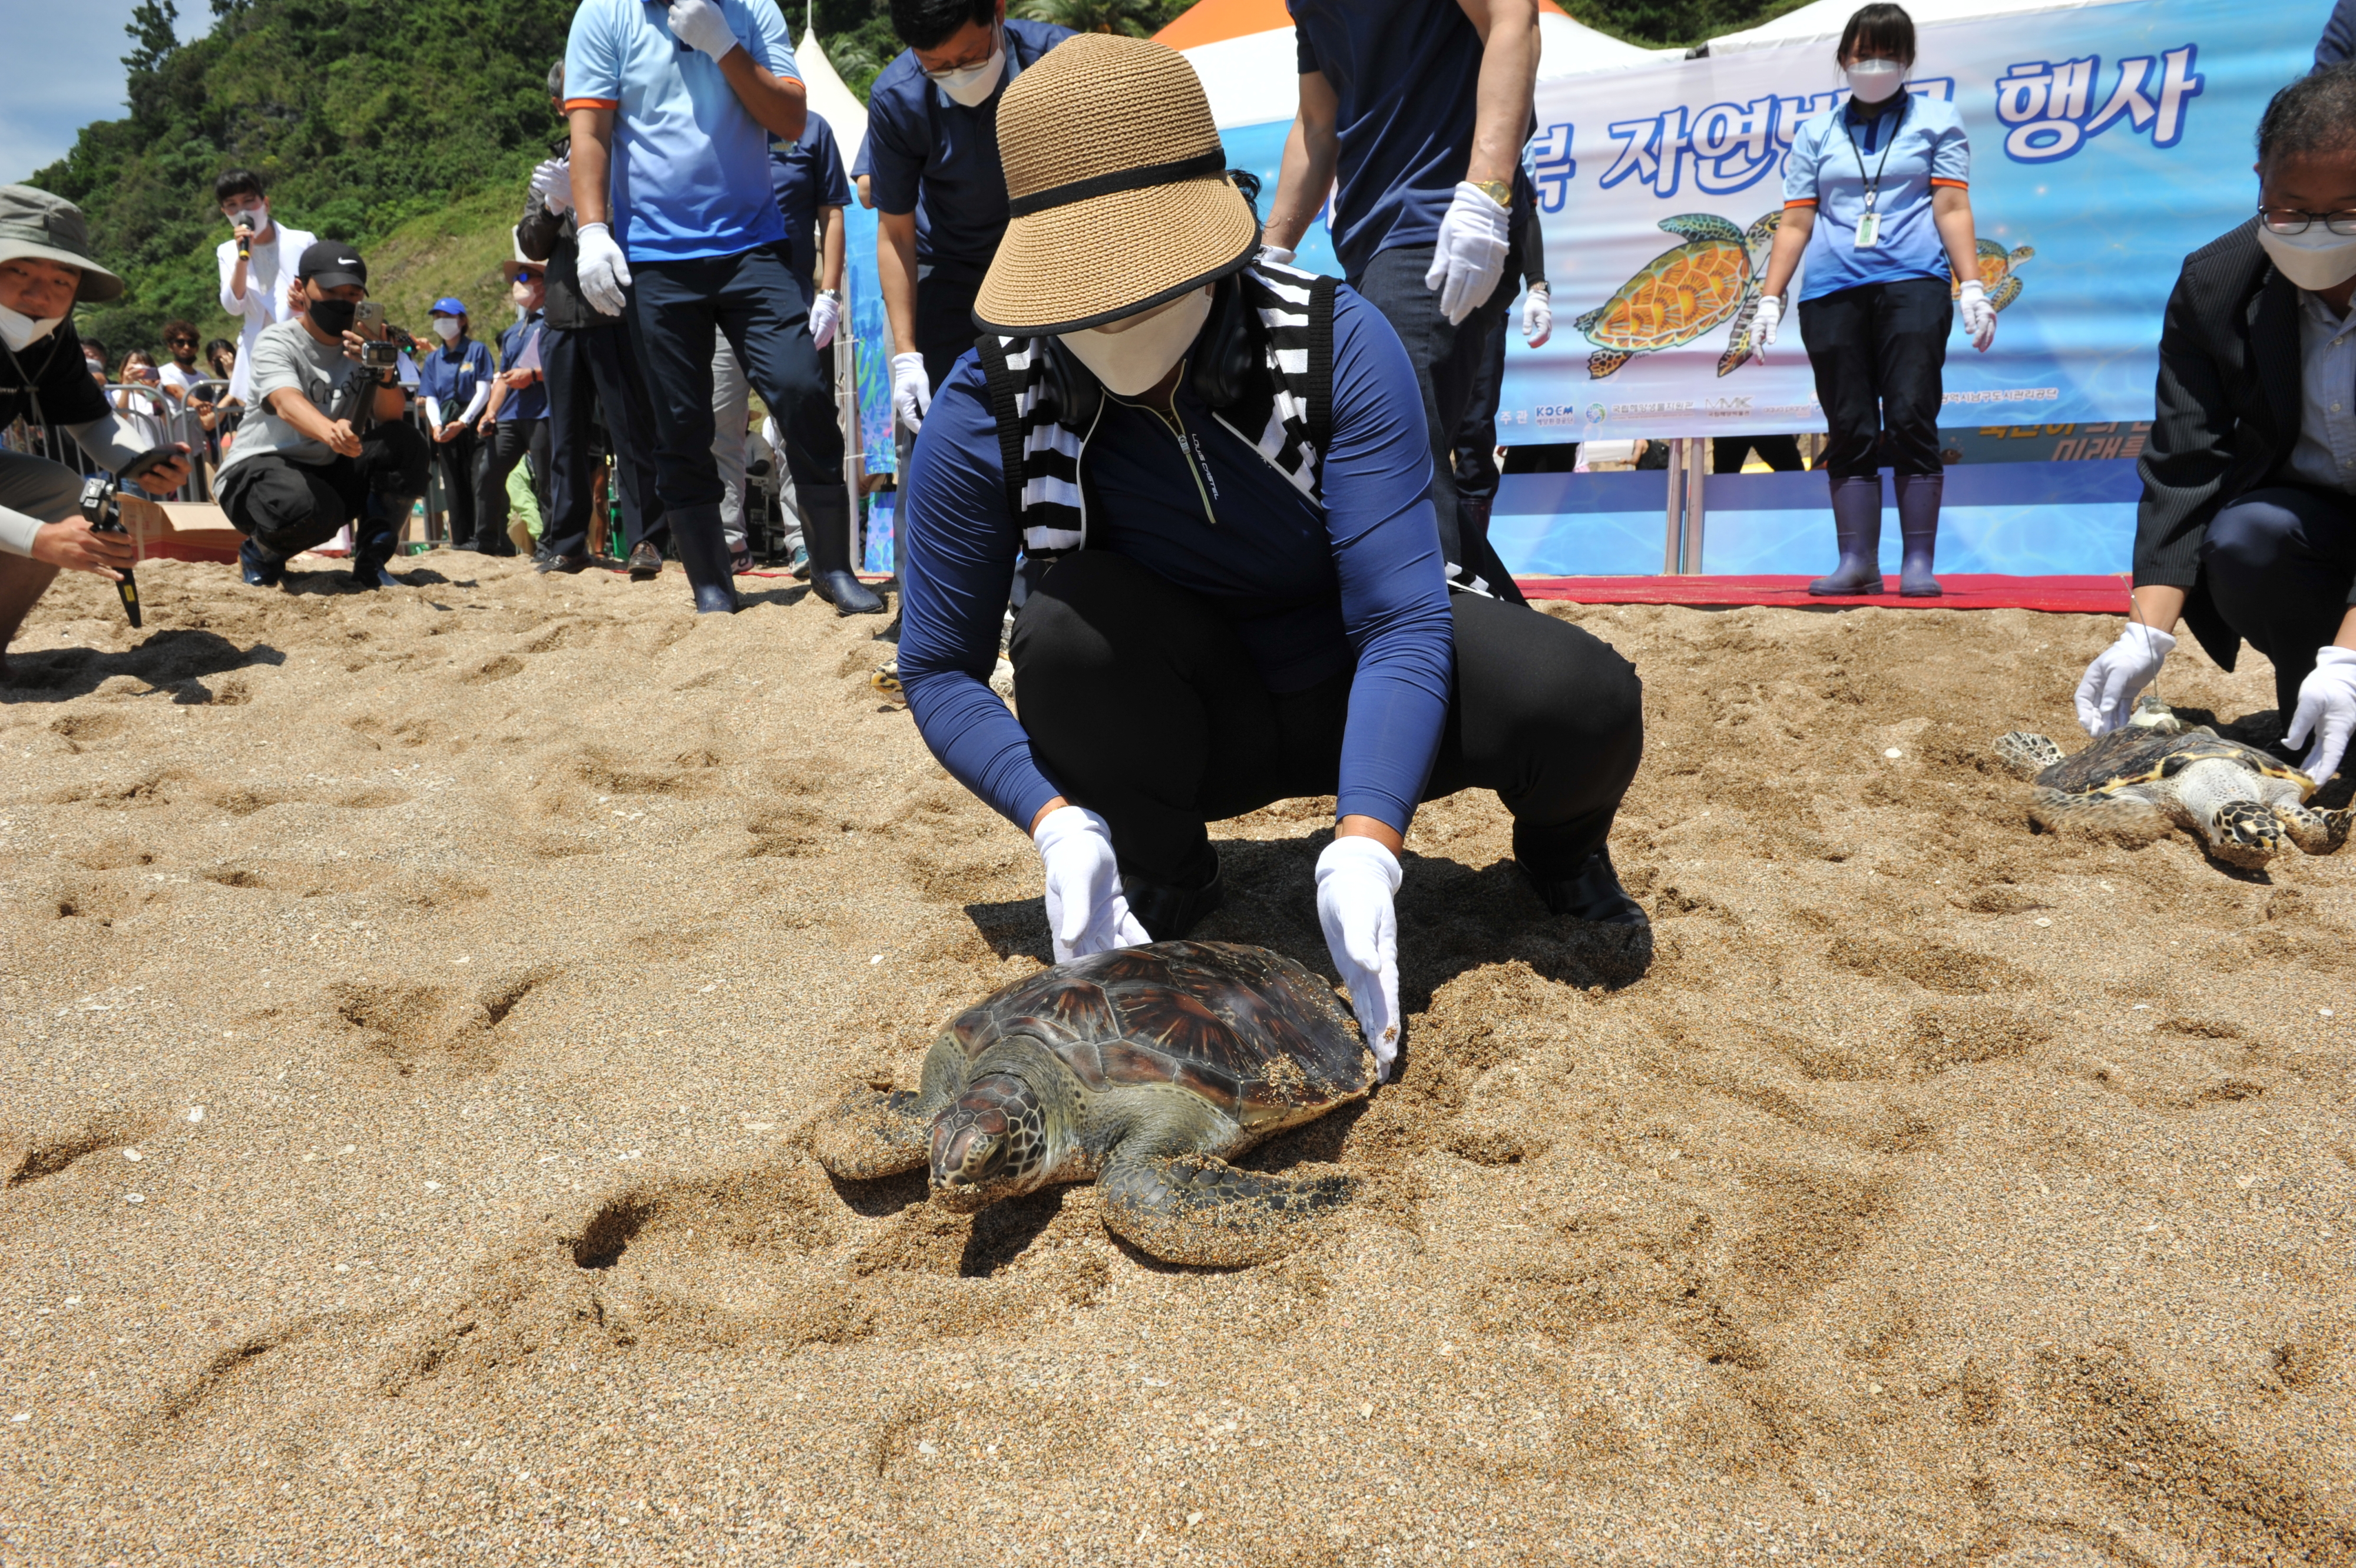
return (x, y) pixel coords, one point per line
(1998, 273)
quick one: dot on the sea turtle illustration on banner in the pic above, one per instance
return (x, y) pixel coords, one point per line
(1683, 292)
(1996, 274)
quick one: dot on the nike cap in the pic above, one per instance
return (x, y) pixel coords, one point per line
(331, 264)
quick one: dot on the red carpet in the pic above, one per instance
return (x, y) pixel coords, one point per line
(1965, 591)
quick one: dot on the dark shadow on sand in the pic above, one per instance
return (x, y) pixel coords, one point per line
(178, 661)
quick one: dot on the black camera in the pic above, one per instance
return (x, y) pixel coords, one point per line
(102, 504)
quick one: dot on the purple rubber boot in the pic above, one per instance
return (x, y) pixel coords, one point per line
(1918, 525)
(1856, 519)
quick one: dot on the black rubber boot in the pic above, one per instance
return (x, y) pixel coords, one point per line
(702, 549)
(1856, 520)
(376, 539)
(1168, 913)
(826, 530)
(261, 565)
(1918, 525)
(1594, 894)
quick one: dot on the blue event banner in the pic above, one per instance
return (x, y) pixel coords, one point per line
(2107, 142)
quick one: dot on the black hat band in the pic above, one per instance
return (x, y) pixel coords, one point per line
(1196, 168)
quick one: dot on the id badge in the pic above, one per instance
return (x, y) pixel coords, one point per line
(1869, 231)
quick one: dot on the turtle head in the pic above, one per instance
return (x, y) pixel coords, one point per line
(990, 1144)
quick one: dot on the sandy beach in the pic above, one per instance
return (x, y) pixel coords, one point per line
(414, 1006)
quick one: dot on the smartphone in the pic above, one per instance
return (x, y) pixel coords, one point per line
(369, 320)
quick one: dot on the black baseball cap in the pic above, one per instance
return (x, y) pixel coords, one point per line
(331, 264)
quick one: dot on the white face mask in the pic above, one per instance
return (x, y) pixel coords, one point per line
(447, 329)
(973, 84)
(2315, 260)
(256, 217)
(1130, 363)
(1875, 79)
(20, 331)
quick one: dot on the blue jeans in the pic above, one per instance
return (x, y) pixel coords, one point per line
(2280, 563)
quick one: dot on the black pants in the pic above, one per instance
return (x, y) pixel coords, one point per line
(1877, 350)
(677, 309)
(455, 460)
(2280, 564)
(1780, 453)
(511, 441)
(1473, 462)
(592, 370)
(287, 506)
(944, 329)
(1449, 362)
(1142, 704)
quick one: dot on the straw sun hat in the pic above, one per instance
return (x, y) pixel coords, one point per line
(1117, 189)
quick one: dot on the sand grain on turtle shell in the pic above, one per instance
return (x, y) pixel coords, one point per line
(1944, 1191)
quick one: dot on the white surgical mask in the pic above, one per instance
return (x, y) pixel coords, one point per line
(447, 329)
(2315, 260)
(1875, 79)
(256, 217)
(972, 85)
(1130, 363)
(20, 331)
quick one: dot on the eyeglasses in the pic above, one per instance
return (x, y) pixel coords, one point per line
(948, 71)
(2291, 221)
(180, 342)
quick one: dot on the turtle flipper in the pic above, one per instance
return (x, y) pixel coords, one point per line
(2317, 832)
(2123, 809)
(2027, 755)
(1738, 347)
(1197, 1208)
(872, 1132)
(1604, 361)
(2245, 834)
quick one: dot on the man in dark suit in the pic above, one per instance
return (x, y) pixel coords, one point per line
(2247, 527)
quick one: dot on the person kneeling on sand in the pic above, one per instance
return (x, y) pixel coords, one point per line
(326, 443)
(1222, 487)
(2247, 529)
(45, 269)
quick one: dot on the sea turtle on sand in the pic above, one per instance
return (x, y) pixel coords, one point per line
(1683, 292)
(1143, 1070)
(1996, 275)
(2244, 803)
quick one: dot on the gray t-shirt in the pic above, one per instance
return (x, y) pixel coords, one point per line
(286, 355)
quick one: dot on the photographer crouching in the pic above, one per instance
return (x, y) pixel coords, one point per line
(325, 443)
(44, 268)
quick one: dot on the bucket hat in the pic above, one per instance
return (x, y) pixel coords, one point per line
(1116, 191)
(515, 266)
(34, 224)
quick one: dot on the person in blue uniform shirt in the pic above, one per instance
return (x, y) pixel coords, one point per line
(1240, 596)
(453, 387)
(677, 221)
(932, 138)
(514, 424)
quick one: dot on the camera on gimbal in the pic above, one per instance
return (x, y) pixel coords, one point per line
(102, 504)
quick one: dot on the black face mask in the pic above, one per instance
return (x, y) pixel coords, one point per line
(334, 316)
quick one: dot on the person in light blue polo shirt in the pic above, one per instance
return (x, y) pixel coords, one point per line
(672, 107)
(1876, 198)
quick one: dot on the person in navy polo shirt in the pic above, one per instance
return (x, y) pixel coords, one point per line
(932, 136)
(515, 425)
(1419, 108)
(453, 384)
(672, 108)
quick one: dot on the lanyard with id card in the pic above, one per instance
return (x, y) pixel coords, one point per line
(1869, 222)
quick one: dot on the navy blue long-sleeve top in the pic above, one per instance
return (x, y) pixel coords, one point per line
(1356, 584)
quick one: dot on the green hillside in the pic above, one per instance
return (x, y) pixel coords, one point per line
(408, 127)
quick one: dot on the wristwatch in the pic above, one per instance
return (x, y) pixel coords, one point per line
(1497, 190)
(833, 294)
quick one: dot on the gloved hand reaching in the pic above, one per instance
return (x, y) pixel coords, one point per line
(1469, 255)
(701, 24)
(2106, 697)
(911, 390)
(826, 315)
(551, 181)
(604, 273)
(1537, 316)
(2327, 706)
(1086, 912)
(1356, 878)
(1277, 254)
(1979, 316)
(1769, 315)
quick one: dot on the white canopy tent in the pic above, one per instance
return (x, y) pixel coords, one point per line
(831, 98)
(1824, 19)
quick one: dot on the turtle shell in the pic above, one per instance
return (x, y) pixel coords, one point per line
(1675, 297)
(2139, 756)
(1247, 1029)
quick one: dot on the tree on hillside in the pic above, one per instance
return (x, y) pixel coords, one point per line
(1133, 18)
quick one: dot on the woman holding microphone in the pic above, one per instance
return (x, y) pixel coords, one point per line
(1876, 195)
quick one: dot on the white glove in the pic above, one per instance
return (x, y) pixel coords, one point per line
(1355, 879)
(911, 390)
(1469, 255)
(699, 24)
(551, 181)
(1277, 254)
(604, 271)
(2327, 705)
(1768, 316)
(1086, 909)
(1979, 316)
(826, 315)
(1537, 316)
(2106, 697)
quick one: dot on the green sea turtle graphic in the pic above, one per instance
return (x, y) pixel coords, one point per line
(1996, 275)
(1683, 292)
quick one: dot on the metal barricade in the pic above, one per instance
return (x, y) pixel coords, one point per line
(160, 421)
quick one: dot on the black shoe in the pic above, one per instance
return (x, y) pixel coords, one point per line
(1594, 894)
(1169, 913)
(263, 567)
(645, 561)
(826, 531)
(847, 593)
(740, 562)
(368, 559)
(702, 547)
(555, 562)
